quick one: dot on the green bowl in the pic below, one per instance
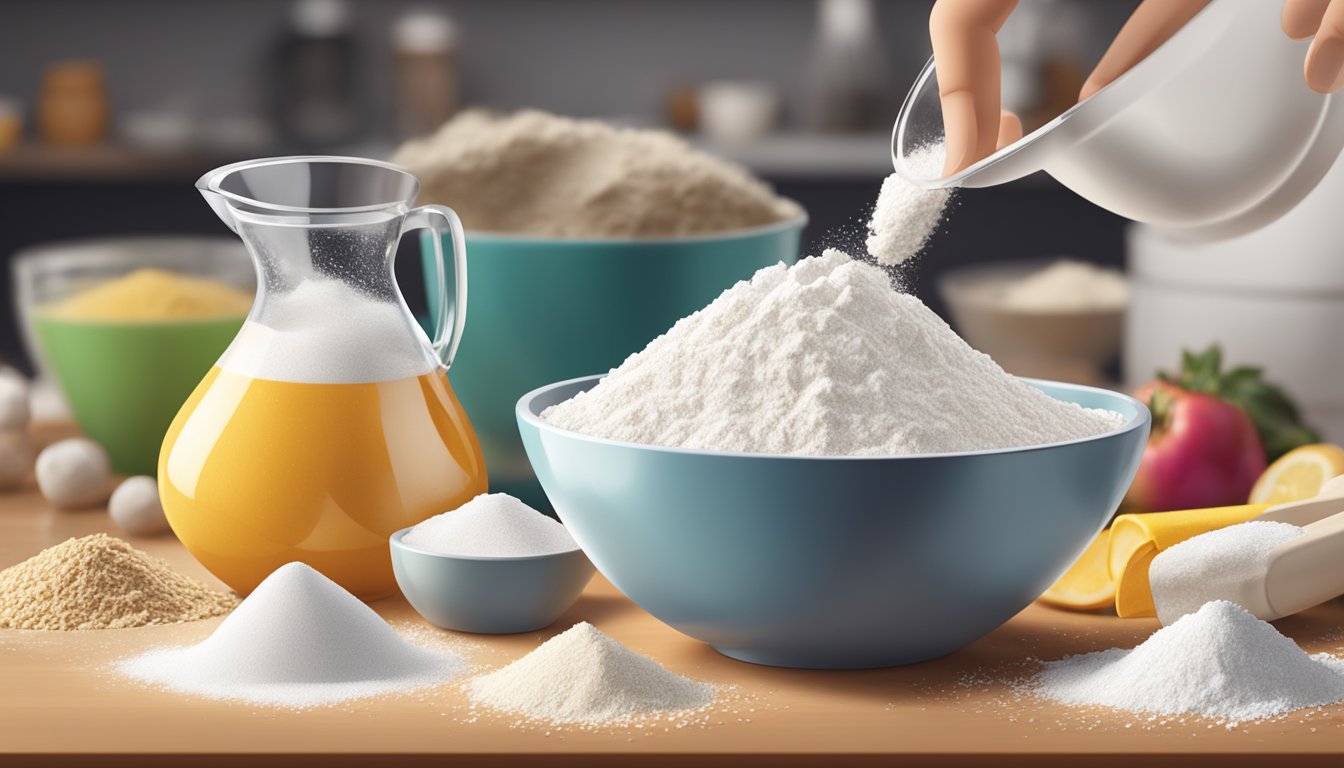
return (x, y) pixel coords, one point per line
(543, 310)
(125, 380)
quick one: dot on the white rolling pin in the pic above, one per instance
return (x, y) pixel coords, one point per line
(1304, 572)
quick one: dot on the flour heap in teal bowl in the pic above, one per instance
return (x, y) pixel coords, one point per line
(816, 471)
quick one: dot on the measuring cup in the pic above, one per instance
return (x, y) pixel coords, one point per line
(1299, 574)
(1213, 135)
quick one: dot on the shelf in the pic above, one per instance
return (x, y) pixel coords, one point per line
(102, 163)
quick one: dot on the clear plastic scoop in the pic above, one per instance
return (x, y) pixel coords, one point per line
(1214, 135)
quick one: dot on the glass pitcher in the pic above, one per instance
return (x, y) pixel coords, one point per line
(328, 423)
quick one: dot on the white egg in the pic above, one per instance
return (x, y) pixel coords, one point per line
(135, 507)
(74, 473)
(16, 458)
(14, 410)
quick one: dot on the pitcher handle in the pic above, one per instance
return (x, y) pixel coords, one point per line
(438, 219)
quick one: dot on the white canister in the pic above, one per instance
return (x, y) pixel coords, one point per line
(1273, 298)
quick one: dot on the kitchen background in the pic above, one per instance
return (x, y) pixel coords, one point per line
(191, 84)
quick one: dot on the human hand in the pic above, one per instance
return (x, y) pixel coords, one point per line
(966, 53)
(967, 56)
(1322, 20)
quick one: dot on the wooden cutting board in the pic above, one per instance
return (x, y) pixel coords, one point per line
(60, 704)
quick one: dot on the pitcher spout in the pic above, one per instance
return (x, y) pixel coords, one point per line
(323, 233)
(307, 185)
(218, 203)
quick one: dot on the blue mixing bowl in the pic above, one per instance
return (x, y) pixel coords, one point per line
(833, 563)
(542, 310)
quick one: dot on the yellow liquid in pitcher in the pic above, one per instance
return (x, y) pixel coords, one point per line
(256, 473)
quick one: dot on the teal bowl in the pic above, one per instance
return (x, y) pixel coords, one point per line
(489, 595)
(834, 563)
(542, 310)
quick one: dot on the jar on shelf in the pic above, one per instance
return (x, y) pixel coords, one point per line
(72, 107)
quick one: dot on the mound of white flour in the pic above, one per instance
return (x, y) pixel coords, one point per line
(583, 676)
(823, 359)
(1066, 286)
(491, 525)
(299, 640)
(1219, 662)
(533, 173)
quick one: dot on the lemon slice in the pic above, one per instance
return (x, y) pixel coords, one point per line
(1087, 585)
(1298, 474)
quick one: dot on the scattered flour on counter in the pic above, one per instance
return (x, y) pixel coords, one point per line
(1214, 565)
(1219, 662)
(491, 525)
(533, 173)
(821, 359)
(326, 331)
(1066, 286)
(582, 676)
(299, 640)
(906, 215)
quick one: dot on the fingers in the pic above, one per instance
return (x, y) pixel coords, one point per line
(1301, 18)
(1325, 58)
(1010, 129)
(966, 54)
(1153, 23)
(961, 132)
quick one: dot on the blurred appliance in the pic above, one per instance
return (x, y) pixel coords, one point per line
(425, 67)
(1273, 298)
(161, 129)
(737, 110)
(1022, 53)
(312, 90)
(1041, 62)
(846, 89)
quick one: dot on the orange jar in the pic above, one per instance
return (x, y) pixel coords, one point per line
(72, 107)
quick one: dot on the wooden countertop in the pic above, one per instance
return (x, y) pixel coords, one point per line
(61, 705)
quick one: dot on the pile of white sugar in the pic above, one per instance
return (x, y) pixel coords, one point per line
(906, 214)
(327, 331)
(491, 525)
(582, 676)
(1065, 286)
(1219, 662)
(299, 640)
(532, 173)
(823, 358)
(1220, 564)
